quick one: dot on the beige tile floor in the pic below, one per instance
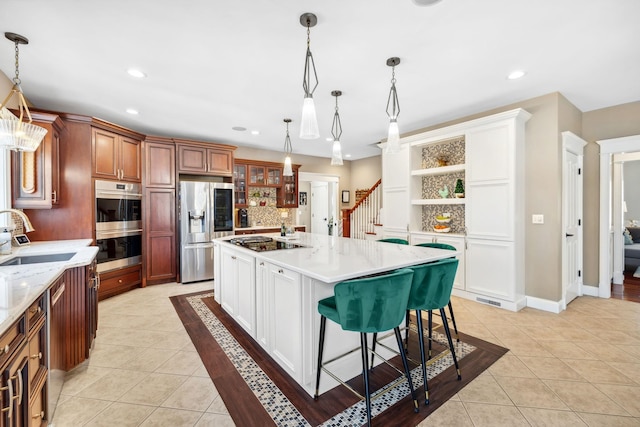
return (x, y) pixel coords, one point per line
(577, 368)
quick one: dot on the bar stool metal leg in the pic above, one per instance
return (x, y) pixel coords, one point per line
(453, 351)
(365, 375)
(323, 325)
(422, 358)
(453, 320)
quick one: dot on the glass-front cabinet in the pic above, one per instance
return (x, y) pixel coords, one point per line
(240, 184)
(256, 175)
(274, 176)
(288, 195)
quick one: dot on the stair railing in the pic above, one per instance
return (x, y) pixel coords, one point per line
(361, 218)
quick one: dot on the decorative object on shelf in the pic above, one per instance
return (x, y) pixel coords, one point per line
(459, 190)
(441, 228)
(444, 193)
(442, 160)
(393, 137)
(309, 122)
(336, 132)
(16, 133)
(444, 218)
(287, 171)
(345, 196)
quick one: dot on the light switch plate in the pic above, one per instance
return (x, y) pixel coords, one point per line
(537, 219)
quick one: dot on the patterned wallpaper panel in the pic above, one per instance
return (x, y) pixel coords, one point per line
(431, 184)
(452, 150)
(429, 213)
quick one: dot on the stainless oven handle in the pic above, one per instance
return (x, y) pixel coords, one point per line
(139, 230)
(118, 193)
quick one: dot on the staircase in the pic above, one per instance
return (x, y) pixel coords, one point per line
(360, 221)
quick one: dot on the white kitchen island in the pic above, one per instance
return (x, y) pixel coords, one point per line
(273, 295)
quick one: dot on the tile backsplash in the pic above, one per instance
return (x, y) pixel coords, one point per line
(265, 213)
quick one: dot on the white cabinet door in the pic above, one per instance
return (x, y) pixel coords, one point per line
(457, 242)
(285, 319)
(491, 268)
(245, 285)
(228, 292)
(262, 303)
(395, 193)
(237, 287)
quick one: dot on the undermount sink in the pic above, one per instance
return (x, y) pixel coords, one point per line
(35, 259)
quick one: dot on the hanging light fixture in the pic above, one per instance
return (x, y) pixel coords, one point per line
(393, 138)
(309, 122)
(16, 133)
(287, 171)
(336, 132)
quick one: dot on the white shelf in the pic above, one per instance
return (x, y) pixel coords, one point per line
(442, 170)
(451, 201)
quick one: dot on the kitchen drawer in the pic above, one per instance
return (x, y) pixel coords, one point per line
(36, 311)
(37, 410)
(118, 281)
(37, 354)
(12, 339)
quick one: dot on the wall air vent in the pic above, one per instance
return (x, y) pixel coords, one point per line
(488, 301)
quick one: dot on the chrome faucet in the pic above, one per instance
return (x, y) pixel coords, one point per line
(25, 220)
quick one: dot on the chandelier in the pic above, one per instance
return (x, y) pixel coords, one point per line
(16, 133)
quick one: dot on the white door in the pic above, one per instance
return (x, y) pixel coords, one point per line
(572, 217)
(319, 207)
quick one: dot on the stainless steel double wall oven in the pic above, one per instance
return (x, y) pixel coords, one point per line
(118, 224)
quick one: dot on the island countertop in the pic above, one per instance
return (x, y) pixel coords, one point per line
(21, 285)
(332, 259)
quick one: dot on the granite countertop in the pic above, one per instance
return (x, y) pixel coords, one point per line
(332, 259)
(21, 285)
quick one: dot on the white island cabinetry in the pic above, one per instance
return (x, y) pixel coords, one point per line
(273, 295)
(237, 287)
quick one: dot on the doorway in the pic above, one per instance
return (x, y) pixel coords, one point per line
(322, 203)
(611, 207)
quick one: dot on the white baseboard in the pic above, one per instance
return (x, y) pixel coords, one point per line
(544, 304)
(592, 291)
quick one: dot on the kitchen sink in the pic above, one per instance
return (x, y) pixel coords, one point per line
(35, 259)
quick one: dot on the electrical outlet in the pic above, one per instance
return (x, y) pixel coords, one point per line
(537, 219)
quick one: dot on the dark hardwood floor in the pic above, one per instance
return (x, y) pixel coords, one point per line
(629, 290)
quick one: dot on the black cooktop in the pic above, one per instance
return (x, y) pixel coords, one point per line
(263, 243)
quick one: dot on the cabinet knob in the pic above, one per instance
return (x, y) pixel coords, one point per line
(38, 415)
(6, 349)
(37, 356)
(281, 271)
(119, 280)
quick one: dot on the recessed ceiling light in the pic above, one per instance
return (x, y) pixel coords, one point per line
(239, 128)
(347, 155)
(132, 111)
(255, 132)
(516, 74)
(426, 2)
(136, 73)
(329, 139)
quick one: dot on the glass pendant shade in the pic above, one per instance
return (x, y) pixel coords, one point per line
(287, 171)
(336, 154)
(18, 132)
(309, 122)
(393, 138)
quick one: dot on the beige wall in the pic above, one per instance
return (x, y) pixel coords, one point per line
(613, 122)
(364, 174)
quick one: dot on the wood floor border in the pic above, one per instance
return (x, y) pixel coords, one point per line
(245, 409)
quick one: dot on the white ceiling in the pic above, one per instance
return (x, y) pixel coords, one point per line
(213, 65)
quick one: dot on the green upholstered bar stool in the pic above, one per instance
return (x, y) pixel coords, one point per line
(453, 318)
(393, 240)
(431, 290)
(368, 305)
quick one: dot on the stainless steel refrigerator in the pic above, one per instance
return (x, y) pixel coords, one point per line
(206, 213)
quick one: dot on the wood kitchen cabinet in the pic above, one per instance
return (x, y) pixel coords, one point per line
(204, 158)
(240, 189)
(36, 176)
(256, 173)
(159, 235)
(288, 192)
(115, 156)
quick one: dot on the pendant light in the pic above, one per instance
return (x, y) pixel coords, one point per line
(336, 132)
(393, 138)
(309, 122)
(16, 133)
(287, 171)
